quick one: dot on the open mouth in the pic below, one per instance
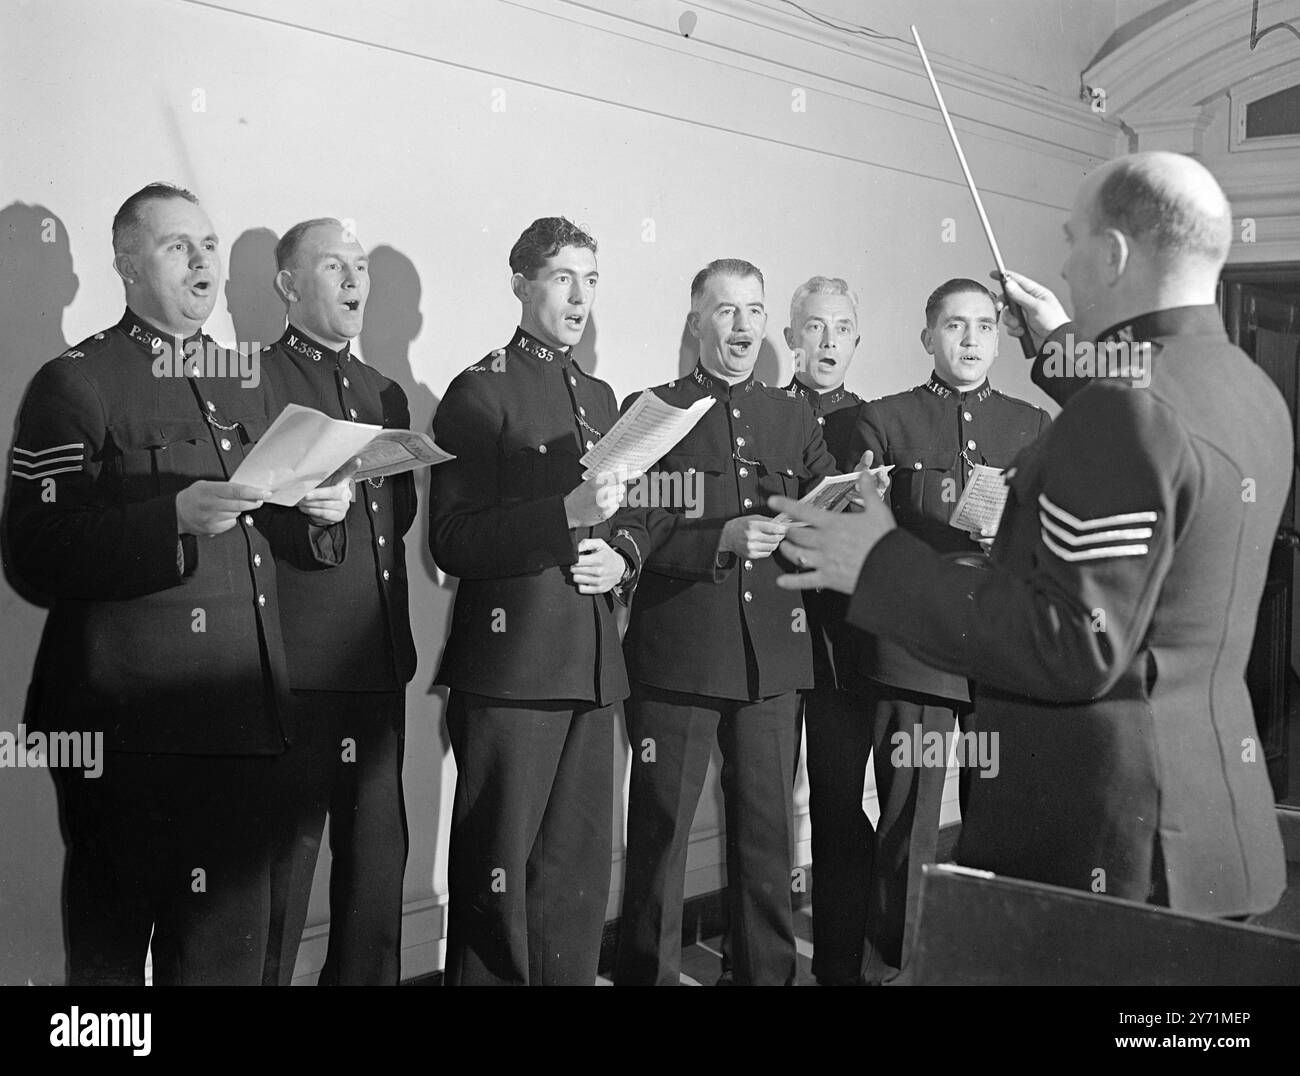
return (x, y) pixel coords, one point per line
(826, 362)
(352, 304)
(575, 321)
(201, 286)
(971, 357)
(739, 345)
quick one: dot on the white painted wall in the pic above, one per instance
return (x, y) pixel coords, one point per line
(383, 112)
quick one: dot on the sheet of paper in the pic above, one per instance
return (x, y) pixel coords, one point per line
(301, 449)
(831, 494)
(398, 451)
(980, 506)
(641, 437)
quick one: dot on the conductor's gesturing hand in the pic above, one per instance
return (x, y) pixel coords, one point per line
(211, 508)
(834, 545)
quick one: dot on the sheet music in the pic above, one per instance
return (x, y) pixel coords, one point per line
(304, 447)
(831, 494)
(981, 503)
(640, 438)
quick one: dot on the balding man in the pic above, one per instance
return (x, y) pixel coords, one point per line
(163, 641)
(1109, 640)
(347, 636)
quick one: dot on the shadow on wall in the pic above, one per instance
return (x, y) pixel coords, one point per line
(767, 368)
(37, 284)
(256, 311)
(584, 351)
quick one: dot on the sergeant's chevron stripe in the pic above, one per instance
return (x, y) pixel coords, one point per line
(45, 462)
(1074, 539)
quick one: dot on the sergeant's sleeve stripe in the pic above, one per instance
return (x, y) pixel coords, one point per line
(1121, 520)
(1076, 540)
(32, 464)
(46, 451)
(1074, 555)
(44, 474)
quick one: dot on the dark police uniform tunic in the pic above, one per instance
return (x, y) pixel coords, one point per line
(932, 434)
(842, 835)
(533, 666)
(1109, 641)
(350, 655)
(717, 653)
(169, 649)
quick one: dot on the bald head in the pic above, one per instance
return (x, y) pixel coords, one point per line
(1169, 205)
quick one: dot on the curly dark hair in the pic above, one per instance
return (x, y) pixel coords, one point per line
(542, 240)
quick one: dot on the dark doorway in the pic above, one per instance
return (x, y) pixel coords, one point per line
(1261, 309)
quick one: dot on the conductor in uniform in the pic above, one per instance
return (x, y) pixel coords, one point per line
(932, 436)
(347, 637)
(716, 652)
(1109, 640)
(164, 635)
(823, 334)
(533, 658)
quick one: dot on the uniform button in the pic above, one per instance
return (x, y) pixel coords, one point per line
(735, 412)
(99, 336)
(346, 383)
(740, 441)
(789, 471)
(690, 470)
(967, 416)
(916, 466)
(353, 412)
(541, 449)
(970, 444)
(572, 380)
(385, 575)
(588, 446)
(744, 472)
(672, 384)
(582, 411)
(225, 444)
(211, 406)
(257, 560)
(374, 506)
(261, 599)
(248, 521)
(821, 421)
(748, 503)
(749, 564)
(749, 595)
(382, 540)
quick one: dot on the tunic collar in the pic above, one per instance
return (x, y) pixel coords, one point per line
(530, 345)
(146, 335)
(296, 340)
(717, 386)
(1202, 320)
(820, 400)
(939, 387)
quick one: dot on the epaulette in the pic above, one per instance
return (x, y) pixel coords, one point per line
(493, 362)
(1016, 400)
(89, 346)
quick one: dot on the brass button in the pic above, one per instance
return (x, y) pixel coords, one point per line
(582, 411)
(572, 380)
(749, 595)
(353, 412)
(211, 406)
(743, 472)
(346, 384)
(248, 521)
(261, 599)
(690, 470)
(821, 421)
(257, 560)
(374, 506)
(749, 564)
(588, 446)
(748, 503)
(541, 449)
(382, 540)
(740, 441)
(967, 416)
(735, 412)
(225, 444)
(916, 466)
(385, 575)
(970, 444)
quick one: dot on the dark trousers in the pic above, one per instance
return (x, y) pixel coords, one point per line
(174, 845)
(907, 835)
(531, 840)
(839, 744)
(672, 737)
(347, 761)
